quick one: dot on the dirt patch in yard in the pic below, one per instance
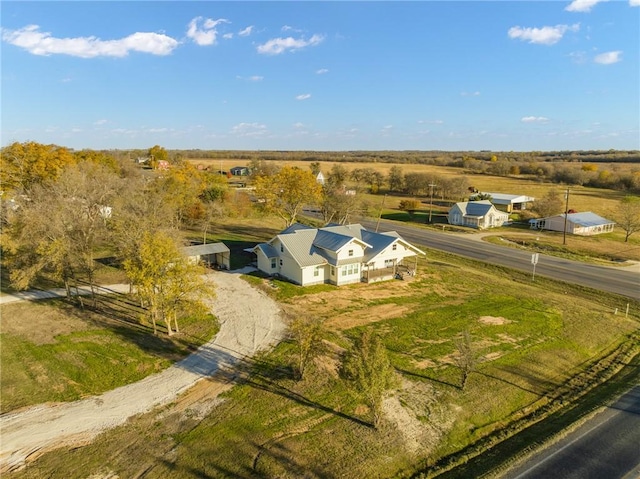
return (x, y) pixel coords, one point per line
(39, 323)
(494, 320)
(372, 314)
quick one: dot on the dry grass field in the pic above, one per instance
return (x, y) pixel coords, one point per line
(598, 200)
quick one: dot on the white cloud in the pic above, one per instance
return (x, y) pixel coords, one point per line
(207, 34)
(534, 119)
(608, 58)
(42, 43)
(634, 3)
(582, 5)
(253, 78)
(100, 122)
(249, 129)
(275, 46)
(227, 36)
(474, 93)
(322, 71)
(246, 32)
(544, 35)
(304, 96)
(432, 122)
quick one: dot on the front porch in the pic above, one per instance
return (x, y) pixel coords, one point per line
(397, 271)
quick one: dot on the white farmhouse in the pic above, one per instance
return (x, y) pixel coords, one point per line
(477, 214)
(336, 255)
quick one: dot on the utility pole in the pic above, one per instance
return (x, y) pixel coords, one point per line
(380, 214)
(566, 213)
(431, 186)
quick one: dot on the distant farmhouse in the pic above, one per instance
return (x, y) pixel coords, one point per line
(508, 203)
(581, 224)
(477, 214)
(320, 178)
(336, 254)
(239, 171)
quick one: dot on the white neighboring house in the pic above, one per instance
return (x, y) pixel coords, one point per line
(508, 203)
(581, 224)
(336, 255)
(320, 178)
(477, 214)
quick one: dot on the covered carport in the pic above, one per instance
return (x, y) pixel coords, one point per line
(213, 255)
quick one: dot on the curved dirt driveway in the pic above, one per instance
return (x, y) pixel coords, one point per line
(249, 321)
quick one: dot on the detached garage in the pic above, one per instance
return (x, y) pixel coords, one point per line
(581, 224)
(213, 255)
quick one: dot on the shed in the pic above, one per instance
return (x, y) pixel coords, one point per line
(239, 171)
(213, 255)
(581, 224)
(508, 203)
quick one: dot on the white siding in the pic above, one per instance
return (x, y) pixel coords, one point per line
(315, 275)
(356, 249)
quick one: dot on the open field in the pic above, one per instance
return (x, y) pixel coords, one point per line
(53, 351)
(532, 340)
(598, 200)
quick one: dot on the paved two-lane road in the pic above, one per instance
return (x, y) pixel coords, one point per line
(615, 280)
(606, 447)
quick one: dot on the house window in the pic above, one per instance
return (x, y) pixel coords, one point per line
(316, 271)
(280, 262)
(394, 247)
(388, 263)
(350, 252)
(282, 248)
(273, 263)
(344, 271)
(333, 271)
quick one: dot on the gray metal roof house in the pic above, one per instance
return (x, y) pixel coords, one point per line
(339, 254)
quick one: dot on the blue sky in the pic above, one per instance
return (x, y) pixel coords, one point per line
(441, 75)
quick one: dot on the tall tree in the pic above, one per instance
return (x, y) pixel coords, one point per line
(367, 366)
(395, 178)
(287, 192)
(549, 205)
(23, 165)
(307, 335)
(61, 225)
(627, 215)
(157, 154)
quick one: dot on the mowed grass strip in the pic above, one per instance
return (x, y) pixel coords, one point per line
(53, 351)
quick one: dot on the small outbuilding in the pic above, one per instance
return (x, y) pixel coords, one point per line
(508, 203)
(213, 255)
(477, 214)
(239, 171)
(581, 224)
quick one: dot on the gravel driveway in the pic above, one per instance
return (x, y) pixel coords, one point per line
(249, 321)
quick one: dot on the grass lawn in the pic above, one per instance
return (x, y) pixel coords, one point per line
(532, 342)
(53, 351)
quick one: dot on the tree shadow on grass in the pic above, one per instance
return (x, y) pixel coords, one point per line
(265, 376)
(118, 313)
(428, 378)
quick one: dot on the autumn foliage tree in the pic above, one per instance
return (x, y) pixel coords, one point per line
(23, 165)
(166, 280)
(287, 192)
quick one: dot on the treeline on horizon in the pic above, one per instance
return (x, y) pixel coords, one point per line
(438, 157)
(613, 169)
